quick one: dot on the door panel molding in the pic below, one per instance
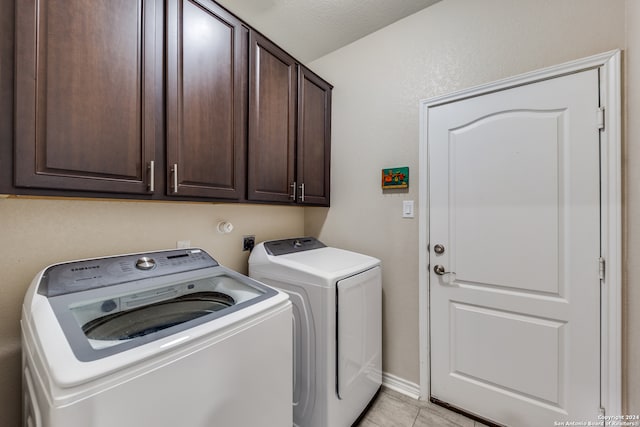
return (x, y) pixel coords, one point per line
(467, 144)
(467, 356)
(609, 68)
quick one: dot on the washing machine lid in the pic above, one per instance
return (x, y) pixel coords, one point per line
(149, 318)
(109, 314)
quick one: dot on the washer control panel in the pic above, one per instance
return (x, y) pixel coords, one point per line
(78, 276)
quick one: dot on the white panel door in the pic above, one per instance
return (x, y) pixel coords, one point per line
(514, 202)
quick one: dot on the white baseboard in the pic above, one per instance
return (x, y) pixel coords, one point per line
(401, 385)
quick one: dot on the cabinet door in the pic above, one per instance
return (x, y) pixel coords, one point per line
(206, 100)
(272, 111)
(86, 94)
(314, 138)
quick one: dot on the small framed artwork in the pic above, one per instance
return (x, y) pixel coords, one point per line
(395, 178)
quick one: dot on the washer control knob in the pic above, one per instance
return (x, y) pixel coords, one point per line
(145, 263)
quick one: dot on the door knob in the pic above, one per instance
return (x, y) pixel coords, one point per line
(439, 270)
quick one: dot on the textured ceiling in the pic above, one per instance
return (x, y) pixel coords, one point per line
(309, 29)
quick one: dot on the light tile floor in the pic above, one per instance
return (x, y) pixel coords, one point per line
(393, 409)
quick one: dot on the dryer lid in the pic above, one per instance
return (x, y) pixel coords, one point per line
(328, 263)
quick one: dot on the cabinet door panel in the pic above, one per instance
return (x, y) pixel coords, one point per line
(85, 94)
(271, 121)
(314, 138)
(206, 100)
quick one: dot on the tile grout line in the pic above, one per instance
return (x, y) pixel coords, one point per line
(415, 420)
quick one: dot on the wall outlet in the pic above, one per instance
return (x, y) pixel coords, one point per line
(248, 242)
(183, 244)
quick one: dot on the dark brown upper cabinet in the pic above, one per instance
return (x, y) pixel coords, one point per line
(154, 99)
(86, 94)
(272, 122)
(206, 100)
(314, 138)
(289, 128)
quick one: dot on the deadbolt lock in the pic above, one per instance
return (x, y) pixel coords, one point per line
(439, 249)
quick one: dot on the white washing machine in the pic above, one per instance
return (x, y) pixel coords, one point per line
(166, 338)
(337, 309)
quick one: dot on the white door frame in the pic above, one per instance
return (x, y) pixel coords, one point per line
(609, 64)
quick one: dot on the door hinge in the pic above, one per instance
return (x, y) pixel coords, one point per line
(601, 268)
(601, 118)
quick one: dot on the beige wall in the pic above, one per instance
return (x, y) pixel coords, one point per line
(36, 233)
(378, 82)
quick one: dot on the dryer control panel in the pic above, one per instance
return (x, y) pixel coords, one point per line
(78, 276)
(288, 246)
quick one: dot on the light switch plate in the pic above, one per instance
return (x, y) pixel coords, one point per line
(407, 209)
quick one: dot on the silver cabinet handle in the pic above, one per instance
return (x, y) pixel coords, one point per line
(302, 192)
(294, 188)
(174, 173)
(152, 176)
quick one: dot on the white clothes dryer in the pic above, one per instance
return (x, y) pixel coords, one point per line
(166, 338)
(337, 334)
